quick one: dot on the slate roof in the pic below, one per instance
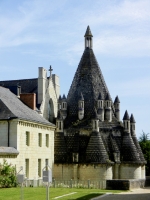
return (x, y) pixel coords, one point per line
(117, 100)
(132, 120)
(88, 32)
(111, 143)
(96, 152)
(27, 85)
(126, 116)
(8, 151)
(12, 107)
(89, 81)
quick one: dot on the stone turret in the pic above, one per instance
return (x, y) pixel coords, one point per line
(132, 125)
(81, 107)
(100, 107)
(95, 122)
(64, 107)
(126, 122)
(88, 38)
(117, 108)
(108, 113)
(59, 123)
(59, 103)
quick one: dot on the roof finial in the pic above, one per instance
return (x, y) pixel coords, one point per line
(50, 69)
(88, 38)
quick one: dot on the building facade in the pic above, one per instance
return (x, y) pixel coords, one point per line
(91, 141)
(26, 138)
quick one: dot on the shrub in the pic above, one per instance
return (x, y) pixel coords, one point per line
(7, 175)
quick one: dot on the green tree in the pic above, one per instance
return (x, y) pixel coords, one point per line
(7, 175)
(145, 146)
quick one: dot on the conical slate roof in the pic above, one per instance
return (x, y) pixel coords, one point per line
(126, 116)
(130, 153)
(88, 32)
(132, 120)
(108, 97)
(117, 100)
(100, 97)
(138, 148)
(89, 80)
(81, 97)
(60, 150)
(96, 152)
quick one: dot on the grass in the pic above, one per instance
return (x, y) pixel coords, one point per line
(40, 193)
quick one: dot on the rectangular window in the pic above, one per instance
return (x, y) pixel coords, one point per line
(27, 168)
(40, 139)
(39, 167)
(27, 138)
(47, 140)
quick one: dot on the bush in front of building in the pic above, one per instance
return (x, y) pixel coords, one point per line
(7, 175)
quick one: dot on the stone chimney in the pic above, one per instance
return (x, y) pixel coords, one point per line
(29, 99)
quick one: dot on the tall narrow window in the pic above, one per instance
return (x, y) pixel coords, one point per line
(27, 138)
(40, 139)
(27, 168)
(39, 167)
(47, 140)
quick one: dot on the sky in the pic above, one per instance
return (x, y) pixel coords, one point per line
(40, 33)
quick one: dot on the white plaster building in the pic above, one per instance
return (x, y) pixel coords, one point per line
(26, 138)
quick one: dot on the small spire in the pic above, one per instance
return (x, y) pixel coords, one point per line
(126, 116)
(100, 96)
(132, 120)
(59, 98)
(59, 116)
(117, 100)
(95, 116)
(88, 32)
(81, 97)
(108, 97)
(64, 97)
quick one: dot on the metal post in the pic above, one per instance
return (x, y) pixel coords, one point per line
(47, 192)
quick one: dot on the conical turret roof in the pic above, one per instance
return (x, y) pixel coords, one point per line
(132, 120)
(108, 97)
(126, 116)
(96, 152)
(117, 100)
(81, 97)
(89, 80)
(88, 32)
(100, 96)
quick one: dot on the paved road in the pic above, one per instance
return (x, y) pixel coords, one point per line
(136, 194)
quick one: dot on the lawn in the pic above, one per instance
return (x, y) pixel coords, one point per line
(40, 193)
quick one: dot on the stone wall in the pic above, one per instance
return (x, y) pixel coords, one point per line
(130, 171)
(82, 172)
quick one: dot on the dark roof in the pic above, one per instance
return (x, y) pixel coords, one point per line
(129, 151)
(132, 120)
(108, 98)
(8, 151)
(89, 80)
(126, 116)
(88, 32)
(117, 100)
(12, 107)
(100, 97)
(96, 152)
(59, 116)
(64, 97)
(27, 85)
(81, 97)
